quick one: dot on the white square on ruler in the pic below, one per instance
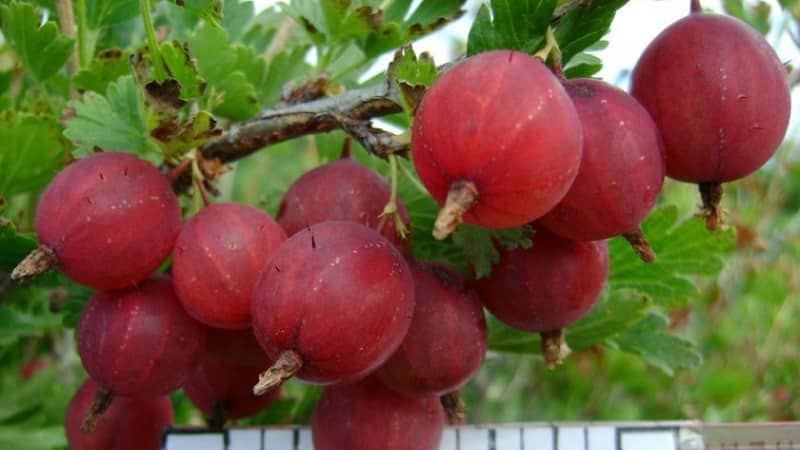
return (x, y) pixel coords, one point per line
(571, 438)
(448, 440)
(537, 438)
(473, 439)
(244, 440)
(195, 441)
(602, 438)
(507, 439)
(647, 439)
(305, 442)
(278, 439)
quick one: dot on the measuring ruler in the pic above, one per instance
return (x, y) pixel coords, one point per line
(529, 436)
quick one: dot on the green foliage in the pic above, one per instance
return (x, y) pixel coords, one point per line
(31, 151)
(15, 246)
(584, 26)
(521, 25)
(110, 122)
(106, 68)
(517, 25)
(42, 49)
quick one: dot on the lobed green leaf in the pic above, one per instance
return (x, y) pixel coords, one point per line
(41, 48)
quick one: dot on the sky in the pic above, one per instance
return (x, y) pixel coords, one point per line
(635, 25)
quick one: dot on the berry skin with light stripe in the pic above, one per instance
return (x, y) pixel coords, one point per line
(720, 96)
(446, 342)
(621, 172)
(138, 341)
(496, 141)
(217, 259)
(334, 302)
(106, 221)
(367, 416)
(341, 190)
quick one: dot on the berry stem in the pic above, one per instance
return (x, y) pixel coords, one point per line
(159, 72)
(554, 348)
(460, 199)
(695, 7)
(552, 51)
(40, 260)
(711, 193)
(454, 408)
(390, 210)
(640, 245)
(287, 365)
(346, 148)
(179, 170)
(100, 403)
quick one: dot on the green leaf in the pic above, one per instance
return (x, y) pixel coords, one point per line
(110, 122)
(41, 49)
(207, 9)
(105, 68)
(14, 246)
(333, 21)
(478, 245)
(179, 136)
(182, 69)
(229, 91)
(285, 66)
(431, 14)
(411, 76)
(20, 438)
(15, 323)
(411, 70)
(583, 65)
(584, 26)
(396, 30)
(31, 151)
(650, 340)
(235, 16)
(517, 25)
(682, 250)
(106, 13)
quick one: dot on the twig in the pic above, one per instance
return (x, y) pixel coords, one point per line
(323, 115)
(66, 21)
(318, 116)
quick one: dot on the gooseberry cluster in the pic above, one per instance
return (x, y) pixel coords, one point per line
(330, 294)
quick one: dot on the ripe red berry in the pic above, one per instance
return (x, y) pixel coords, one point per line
(138, 341)
(546, 287)
(222, 385)
(496, 140)
(621, 172)
(368, 416)
(340, 190)
(218, 257)
(128, 424)
(333, 304)
(720, 97)
(446, 342)
(106, 221)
